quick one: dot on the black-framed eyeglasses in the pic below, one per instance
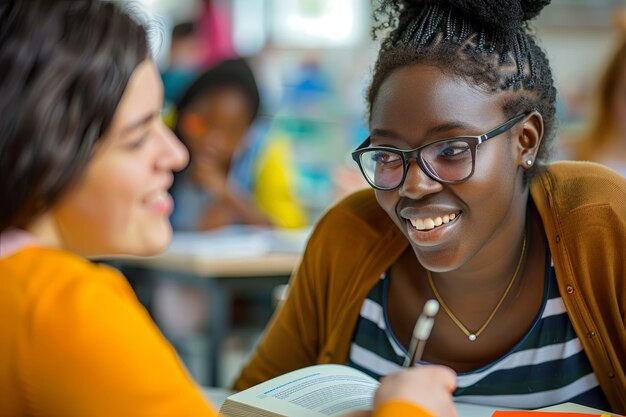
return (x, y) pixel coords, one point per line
(449, 161)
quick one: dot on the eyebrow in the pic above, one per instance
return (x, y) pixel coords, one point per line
(385, 133)
(141, 122)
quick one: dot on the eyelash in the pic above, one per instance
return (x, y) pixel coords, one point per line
(138, 143)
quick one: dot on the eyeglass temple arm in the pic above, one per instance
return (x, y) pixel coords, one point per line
(501, 129)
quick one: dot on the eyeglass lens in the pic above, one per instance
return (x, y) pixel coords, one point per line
(449, 160)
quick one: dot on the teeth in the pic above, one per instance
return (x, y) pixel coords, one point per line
(158, 197)
(431, 223)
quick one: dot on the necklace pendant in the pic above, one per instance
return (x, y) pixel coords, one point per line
(471, 337)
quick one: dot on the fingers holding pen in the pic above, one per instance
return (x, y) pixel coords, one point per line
(430, 387)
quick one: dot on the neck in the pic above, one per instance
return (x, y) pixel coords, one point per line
(44, 229)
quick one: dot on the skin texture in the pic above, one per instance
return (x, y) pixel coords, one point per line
(120, 205)
(474, 256)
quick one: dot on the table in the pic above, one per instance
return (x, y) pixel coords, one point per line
(216, 396)
(232, 258)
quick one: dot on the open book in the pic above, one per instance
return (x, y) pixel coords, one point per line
(315, 391)
(332, 390)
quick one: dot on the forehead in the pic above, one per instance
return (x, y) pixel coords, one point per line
(419, 97)
(232, 97)
(224, 100)
(142, 97)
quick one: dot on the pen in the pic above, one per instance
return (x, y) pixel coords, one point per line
(421, 331)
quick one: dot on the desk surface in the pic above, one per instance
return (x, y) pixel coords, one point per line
(216, 396)
(271, 264)
(229, 252)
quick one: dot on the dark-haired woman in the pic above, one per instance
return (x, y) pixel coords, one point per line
(525, 257)
(85, 164)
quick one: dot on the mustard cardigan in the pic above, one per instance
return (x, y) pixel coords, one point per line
(583, 209)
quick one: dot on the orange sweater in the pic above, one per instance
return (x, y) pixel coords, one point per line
(74, 341)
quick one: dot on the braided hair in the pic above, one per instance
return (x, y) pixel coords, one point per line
(489, 43)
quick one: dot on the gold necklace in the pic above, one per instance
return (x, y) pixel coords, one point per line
(472, 336)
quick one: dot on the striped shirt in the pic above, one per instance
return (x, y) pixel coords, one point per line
(547, 366)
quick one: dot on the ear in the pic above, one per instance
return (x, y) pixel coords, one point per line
(529, 139)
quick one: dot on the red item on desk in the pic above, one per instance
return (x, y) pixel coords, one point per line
(531, 413)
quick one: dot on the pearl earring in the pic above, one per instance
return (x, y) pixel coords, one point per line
(529, 162)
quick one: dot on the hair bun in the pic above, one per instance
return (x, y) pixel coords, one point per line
(506, 15)
(532, 8)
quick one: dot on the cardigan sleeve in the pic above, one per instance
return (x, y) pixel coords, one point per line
(89, 348)
(351, 245)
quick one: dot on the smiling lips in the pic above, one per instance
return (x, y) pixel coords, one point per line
(160, 202)
(432, 222)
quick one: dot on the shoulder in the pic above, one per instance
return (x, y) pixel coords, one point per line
(359, 210)
(52, 280)
(356, 230)
(59, 263)
(357, 219)
(568, 185)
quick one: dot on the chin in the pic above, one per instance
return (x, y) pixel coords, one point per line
(159, 242)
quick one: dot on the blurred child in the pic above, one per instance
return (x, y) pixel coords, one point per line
(216, 121)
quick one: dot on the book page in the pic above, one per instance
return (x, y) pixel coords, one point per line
(315, 391)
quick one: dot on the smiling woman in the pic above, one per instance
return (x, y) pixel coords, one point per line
(524, 256)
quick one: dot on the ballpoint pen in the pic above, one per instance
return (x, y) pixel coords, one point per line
(421, 332)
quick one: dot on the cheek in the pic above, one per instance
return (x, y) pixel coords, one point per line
(388, 200)
(100, 209)
(489, 192)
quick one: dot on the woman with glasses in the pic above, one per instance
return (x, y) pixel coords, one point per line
(525, 257)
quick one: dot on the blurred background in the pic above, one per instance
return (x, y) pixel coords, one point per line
(312, 60)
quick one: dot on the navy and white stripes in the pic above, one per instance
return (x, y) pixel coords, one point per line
(548, 366)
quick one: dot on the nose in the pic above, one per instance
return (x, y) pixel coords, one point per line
(174, 155)
(417, 183)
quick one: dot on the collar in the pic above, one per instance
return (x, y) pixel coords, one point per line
(14, 240)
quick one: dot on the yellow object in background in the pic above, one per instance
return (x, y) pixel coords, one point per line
(274, 191)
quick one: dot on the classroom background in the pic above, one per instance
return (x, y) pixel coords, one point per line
(312, 61)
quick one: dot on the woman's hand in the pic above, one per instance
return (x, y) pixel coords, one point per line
(429, 386)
